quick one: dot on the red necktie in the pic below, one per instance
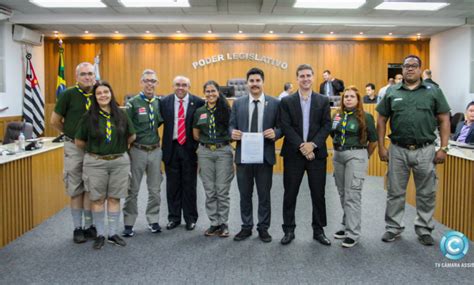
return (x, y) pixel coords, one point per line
(181, 124)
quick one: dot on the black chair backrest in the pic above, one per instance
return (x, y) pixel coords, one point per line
(15, 128)
(455, 119)
(240, 86)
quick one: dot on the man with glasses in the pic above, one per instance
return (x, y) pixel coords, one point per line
(145, 154)
(179, 153)
(415, 109)
(71, 105)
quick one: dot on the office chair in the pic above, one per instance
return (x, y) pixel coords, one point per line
(15, 128)
(240, 86)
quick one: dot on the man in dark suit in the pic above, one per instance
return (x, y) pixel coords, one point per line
(179, 153)
(331, 86)
(305, 122)
(255, 113)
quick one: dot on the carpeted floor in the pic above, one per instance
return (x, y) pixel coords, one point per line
(47, 254)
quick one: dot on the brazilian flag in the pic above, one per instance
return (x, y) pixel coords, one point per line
(61, 81)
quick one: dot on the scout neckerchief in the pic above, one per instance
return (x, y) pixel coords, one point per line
(108, 126)
(344, 125)
(86, 95)
(151, 114)
(212, 122)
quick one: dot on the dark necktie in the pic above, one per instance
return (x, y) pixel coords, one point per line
(254, 122)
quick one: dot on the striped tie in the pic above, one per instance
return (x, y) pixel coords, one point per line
(151, 113)
(108, 126)
(181, 124)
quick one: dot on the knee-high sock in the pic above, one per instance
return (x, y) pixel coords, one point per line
(99, 222)
(113, 220)
(77, 217)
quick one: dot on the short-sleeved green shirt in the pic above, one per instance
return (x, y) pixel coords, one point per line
(201, 122)
(352, 130)
(412, 113)
(71, 105)
(95, 139)
(138, 110)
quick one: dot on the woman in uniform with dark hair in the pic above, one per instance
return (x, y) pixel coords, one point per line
(215, 157)
(105, 132)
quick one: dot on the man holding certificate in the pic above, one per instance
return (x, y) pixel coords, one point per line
(253, 125)
(306, 122)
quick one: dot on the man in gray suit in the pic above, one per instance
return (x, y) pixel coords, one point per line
(255, 113)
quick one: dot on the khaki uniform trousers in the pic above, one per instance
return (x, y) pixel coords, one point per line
(401, 162)
(350, 170)
(216, 170)
(72, 175)
(150, 162)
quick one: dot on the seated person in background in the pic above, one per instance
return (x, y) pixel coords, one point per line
(287, 90)
(427, 77)
(371, 97)
(465, 130)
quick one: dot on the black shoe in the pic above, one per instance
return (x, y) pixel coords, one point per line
(90, 233)
(389, 236)
(322, 239)
(264, 236)
(171, 225)
(190, 226)
(78, 236)
(128, 232)
(340, 235)
(115, 239)
(99, 242)
(348, 242)
(287, 238)
(212, 231)
(154, 228)
(426, 240)
(243, 234)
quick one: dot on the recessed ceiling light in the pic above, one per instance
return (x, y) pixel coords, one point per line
(155, 3)
(411, 6)
(69, 3)
(390, 34)
(178, 32)
(329, 4)
(418, 34)
(116, 32)
(271, 32)
(209, 32)
(331, 33)
(55, 32)
(240, 32)
(86, 32)
(147, 32)
(361, 33)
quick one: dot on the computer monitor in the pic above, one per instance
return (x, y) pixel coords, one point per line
(227, 91)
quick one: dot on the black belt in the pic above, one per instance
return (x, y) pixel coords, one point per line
(344, 148)
(105, 157)
(214, 146)
(412, 146)
(146, 147)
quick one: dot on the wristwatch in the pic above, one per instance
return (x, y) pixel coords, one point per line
(444, 148)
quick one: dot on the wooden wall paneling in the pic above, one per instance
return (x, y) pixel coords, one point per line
(122, 61)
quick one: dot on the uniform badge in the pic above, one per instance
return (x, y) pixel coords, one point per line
(142, 111)
(203, 116)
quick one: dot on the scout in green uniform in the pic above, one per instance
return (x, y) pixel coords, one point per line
(414, 109)
(105, 132)
(145, 154)
(211, 129)
(354, 140)
(71, 105)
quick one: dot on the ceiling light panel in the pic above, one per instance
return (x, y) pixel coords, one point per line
(412, 6)
(329, 4)
(69, 4)
(155, 3)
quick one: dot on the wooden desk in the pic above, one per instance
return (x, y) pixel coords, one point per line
(31, 189)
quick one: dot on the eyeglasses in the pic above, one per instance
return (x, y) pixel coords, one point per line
(210, 91)
(181, 84)
(152, 81)
(408, 66)
(86, 74)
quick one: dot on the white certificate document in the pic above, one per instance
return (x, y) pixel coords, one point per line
(252, 148)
